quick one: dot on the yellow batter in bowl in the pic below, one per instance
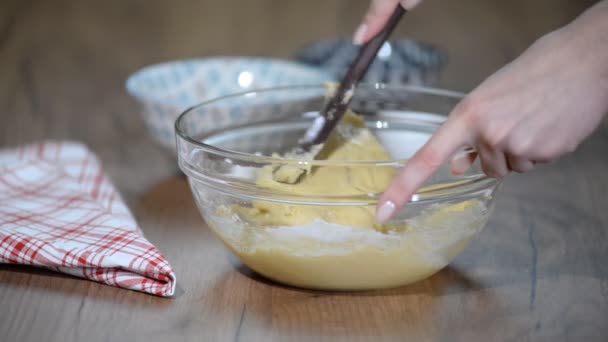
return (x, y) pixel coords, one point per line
(331, 256)
(350, 141)
(342, 247)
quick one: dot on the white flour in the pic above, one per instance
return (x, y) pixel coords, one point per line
(429, 236)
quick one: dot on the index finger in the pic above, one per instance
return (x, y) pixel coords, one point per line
(451, 136)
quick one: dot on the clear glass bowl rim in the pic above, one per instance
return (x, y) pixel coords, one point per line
(280, 160)
(477, 181)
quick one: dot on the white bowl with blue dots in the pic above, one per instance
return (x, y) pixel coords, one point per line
(165, 90)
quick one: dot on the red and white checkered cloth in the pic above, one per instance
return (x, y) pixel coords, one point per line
(59, 210)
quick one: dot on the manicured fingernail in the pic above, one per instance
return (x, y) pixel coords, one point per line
(359, 34)
(385, 211)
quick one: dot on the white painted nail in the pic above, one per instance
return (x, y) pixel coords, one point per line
(385, 211)
(359, 34)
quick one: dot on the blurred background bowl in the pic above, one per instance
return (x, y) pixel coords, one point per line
(399, 62)
(165, 90)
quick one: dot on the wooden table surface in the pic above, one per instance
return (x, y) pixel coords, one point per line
(539, 271)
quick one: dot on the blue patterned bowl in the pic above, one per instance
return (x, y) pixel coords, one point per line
(399, 62)
(165, 90)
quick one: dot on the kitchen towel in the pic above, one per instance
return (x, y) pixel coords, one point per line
(59, 210)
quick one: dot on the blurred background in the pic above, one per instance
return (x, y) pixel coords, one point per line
(63, 63)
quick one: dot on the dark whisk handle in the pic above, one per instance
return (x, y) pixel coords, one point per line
(334, 109)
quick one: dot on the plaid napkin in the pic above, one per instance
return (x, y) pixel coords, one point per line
(58, 210)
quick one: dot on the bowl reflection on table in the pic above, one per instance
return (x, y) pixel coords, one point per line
(335, 244)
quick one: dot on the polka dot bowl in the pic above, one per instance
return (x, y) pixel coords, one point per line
(165, 90)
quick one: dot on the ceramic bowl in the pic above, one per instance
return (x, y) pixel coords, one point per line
(165, 90)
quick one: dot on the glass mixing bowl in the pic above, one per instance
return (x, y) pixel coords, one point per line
(321, 238)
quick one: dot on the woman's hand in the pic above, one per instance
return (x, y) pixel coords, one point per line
(378, 13)
(534, 110)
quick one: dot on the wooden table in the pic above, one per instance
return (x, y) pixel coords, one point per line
(539, 271)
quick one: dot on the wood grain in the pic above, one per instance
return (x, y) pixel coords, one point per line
(538, 271)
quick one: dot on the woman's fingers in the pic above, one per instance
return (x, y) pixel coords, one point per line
(451, 136)
(519, 164)
(377, 15)
(463, 161)
(493, 161)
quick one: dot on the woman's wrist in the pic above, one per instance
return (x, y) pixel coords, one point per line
(587, 36)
